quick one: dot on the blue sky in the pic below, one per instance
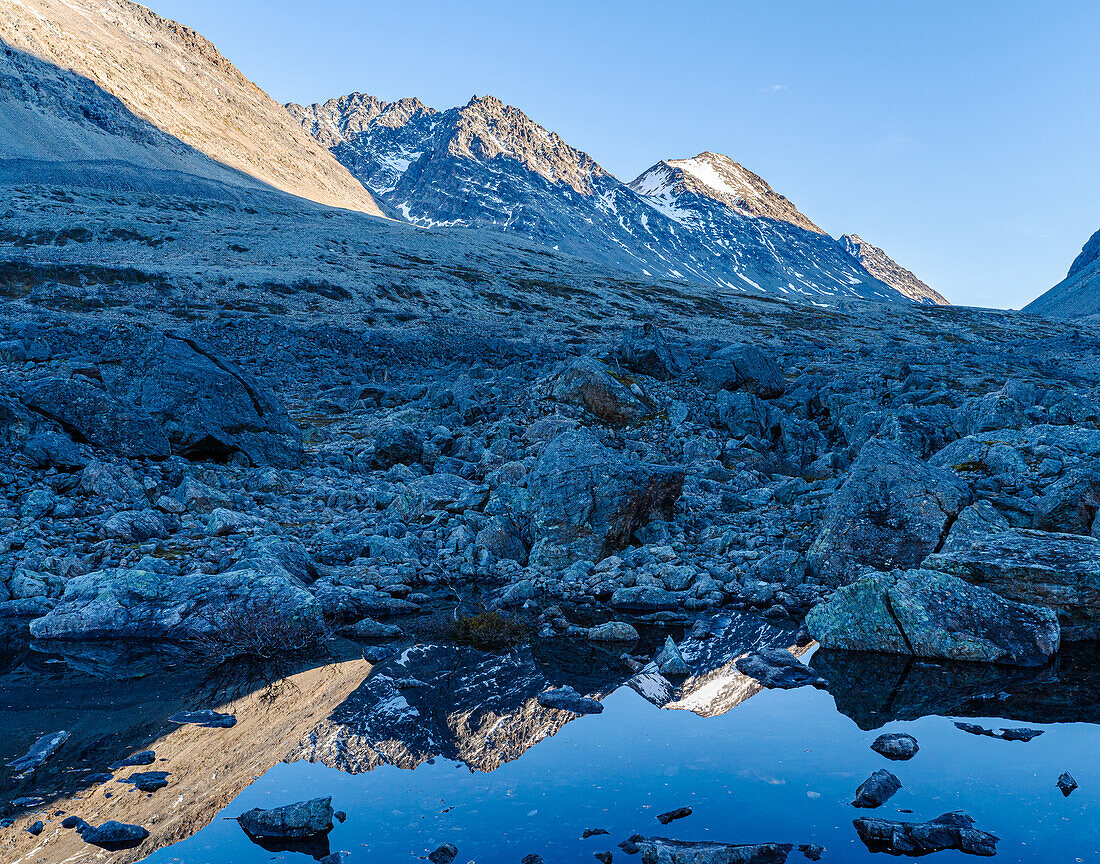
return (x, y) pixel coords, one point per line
(960, 137)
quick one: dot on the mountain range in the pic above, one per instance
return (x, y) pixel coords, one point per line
(488, 165)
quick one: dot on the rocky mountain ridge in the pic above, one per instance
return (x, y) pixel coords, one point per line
(166, 75)
(879, 264)
(1078, 295)
(488, 165)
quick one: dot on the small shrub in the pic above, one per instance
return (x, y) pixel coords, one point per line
(256, 630)
(487, 631)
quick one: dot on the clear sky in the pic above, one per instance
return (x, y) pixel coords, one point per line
(962, 137)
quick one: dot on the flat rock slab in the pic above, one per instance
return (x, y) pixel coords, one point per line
(40, 751)
(113, 835)
(660, 850)
(950, 831)
(1017, 734)
(206, 718)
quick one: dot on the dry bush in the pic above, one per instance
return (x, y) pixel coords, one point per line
(487, 631)
(256, 630)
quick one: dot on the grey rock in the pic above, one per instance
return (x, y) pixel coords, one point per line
(444, 854)
(588, 500)
(743, 367)
(950, 831)
(876, 789)
(1066, 784)
(896, 746)
(303, 819)
(1058, 571)
(397, 445)
(925, 613)
(143, 604)
(145, 757)
(591, 385)
(135, 526)
(660, 850)
(53, 450)
(205, 405)
(670, 661)
(1069, 504)
(567, 699)
(779, 669)
(147, 781)
(368, 628)
(90, 413)
(40, 751)
(114, 835)
(892, 511)
(613, 631)
(678, 813)
(644, 350)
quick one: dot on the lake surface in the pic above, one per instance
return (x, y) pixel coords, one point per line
(445, 744)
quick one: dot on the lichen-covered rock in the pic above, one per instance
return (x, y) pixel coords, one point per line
(589, 500)
(643, 350)
(925, 613)
(590, 384)
(141, 604)
(1058, 571)
(205, 406)
(397, 444)
(892, 511)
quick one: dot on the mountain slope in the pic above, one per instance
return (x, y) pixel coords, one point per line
(882, 266)
(171, 77)
(1078, 295)
(488, 165)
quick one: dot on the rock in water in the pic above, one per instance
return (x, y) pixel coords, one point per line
(1066, 783)
(876, 789)
(206, 406)
(304, 819)
(113, 835)
(445, 854)
(588, 500)
(891, 512)
(613, 631)
(897, 746)
(950, 831)
(925, 613)
(812, 851)
(660, 850)
(777, 668)
(678, 813)
(670, 661)
(40, 751)
(205, 718)
(568, 699)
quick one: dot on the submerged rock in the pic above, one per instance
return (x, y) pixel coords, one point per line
(40, 751)
(950, 831)
(926, 613)
(876, 789)
(205, 718)
(303, 819)
(660, 850)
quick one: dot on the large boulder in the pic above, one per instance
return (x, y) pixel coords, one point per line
(925, 613)
(1069, 504)
(205, 406)
(91, 415)
(949, 831)
(661, 850)
(742, 367)
(304, 819)
(587, 500)
(145, 605)
(643, 350)
(1058, 571)
(892, 511)
(590, 384)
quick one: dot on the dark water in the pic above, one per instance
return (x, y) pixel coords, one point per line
(464, 754)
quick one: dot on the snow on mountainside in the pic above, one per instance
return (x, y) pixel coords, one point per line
(117, 58)
(488, 165)
(882, 266)
(1078, 295)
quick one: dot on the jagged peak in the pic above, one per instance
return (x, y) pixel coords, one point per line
(720, 178)
(335, 120)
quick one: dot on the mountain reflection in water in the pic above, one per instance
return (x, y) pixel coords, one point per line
(780, 768)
